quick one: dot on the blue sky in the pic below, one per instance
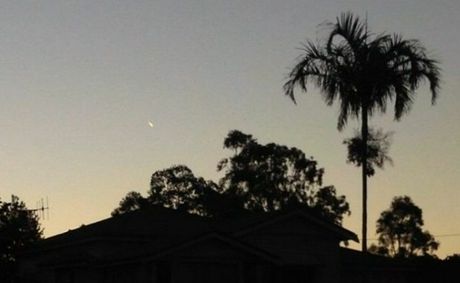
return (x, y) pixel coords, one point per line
(80, 80)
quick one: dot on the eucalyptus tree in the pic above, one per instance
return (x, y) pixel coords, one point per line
(364, 72)
(400, 231)
(270, 177)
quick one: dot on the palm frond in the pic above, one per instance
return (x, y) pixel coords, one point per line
(350, 29)
(409, 59)
(359, 70)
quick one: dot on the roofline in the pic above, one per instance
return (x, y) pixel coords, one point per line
(346, 234)
(44, 245)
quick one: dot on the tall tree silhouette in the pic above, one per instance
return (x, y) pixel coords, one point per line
(270, 177)
(363, 72)
(400, 231)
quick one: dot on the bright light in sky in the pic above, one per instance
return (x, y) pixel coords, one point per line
(75, 76)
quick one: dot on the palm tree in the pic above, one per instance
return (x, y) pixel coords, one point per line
(364, 72)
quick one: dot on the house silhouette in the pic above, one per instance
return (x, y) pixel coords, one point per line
(163, 245)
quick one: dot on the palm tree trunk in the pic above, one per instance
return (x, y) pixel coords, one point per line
(364, 134)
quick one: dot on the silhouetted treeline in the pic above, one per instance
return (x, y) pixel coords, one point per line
(257, 177)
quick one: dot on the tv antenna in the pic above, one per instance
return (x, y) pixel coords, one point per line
(42, 209)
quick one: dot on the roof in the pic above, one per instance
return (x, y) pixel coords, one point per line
(156, 229)
(251, 222)
(153, 251)
(137, 225)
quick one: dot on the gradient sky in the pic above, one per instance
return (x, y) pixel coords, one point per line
(80, 80)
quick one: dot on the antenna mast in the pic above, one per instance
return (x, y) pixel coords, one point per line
(42, 209)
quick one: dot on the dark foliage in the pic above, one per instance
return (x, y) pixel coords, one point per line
(178, 188)
(360, 69)
(400, 231)
(19, 228)
(257, 178)
(271, 177)
(132, 201)
(378, 145)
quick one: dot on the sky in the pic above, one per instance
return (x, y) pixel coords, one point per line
(81, 80)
